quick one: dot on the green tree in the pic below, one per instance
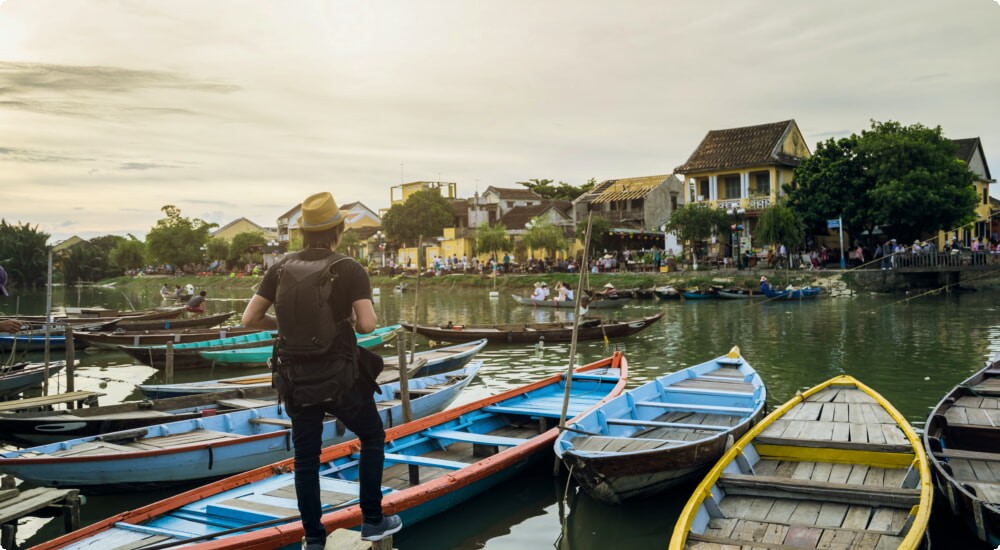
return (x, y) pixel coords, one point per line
(217, 249)
(24, 254)
(128, 254)
(905, 180)
(241, 248)
(177, 240)
(780, 224)
(350, 244)
(104, 245)
(548, 189)
(600, 227)
(695, 223)
(492, 239)
(82, 263)
(424, 213)
(543, 235)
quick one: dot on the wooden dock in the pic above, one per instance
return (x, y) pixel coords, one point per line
(346, 539)
(42, 502)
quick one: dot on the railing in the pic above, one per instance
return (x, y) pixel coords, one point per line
(907, 260)
(746, 203)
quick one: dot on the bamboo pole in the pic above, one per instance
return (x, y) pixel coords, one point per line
(48, 326)
(404, 382)
(169, 368)
(70, 362)
(572, 345)
(416, 304)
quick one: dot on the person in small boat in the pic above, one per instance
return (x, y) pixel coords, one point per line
(165, 291)
(545, 290)
(764, 285)
(347, 392)
(538, 294)
(197, 303)
(610, 292)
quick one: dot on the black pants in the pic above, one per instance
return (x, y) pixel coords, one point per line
(359, 414)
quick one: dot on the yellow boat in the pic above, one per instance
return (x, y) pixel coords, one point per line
(835, 467)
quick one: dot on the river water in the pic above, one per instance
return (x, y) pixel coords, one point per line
(910, 350)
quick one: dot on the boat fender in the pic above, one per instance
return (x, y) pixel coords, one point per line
(211, 457)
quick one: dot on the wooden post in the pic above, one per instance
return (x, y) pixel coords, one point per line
(70, 361)
(8, 535)
(71, 512)
(416, 300)
(48, 325)
(404, 382)
(169, 369)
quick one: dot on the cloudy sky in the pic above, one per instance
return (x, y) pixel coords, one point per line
(111, 109)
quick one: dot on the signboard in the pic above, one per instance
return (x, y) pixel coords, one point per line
(832, 224)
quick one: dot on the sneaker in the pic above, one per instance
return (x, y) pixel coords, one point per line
(306, 545)
(378, 531)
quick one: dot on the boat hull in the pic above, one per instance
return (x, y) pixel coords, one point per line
(23, 377)
(596, 304)
(534, 333)
(107, 340)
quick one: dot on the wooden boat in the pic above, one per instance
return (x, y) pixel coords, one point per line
(664, 431)
(836, 466)
(740, 294)
(696, 294)
(33, 342)
(75, 316)
(596, 304)
(792, 294)
(257, 357)
(590, 329)
(206, 321)
(186, 355)
(962, 441)
(112, 340)
(208, 447)
(436, 361)
(667, 293)
(18, 377)
(431, 465)
(40, 427)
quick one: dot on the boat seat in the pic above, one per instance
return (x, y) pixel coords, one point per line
(424, 461)
(808, 489)
(524, 411)
(705, 391)
(696, 407)
(244, 403)
(284, 423)
(476, 438)
(600, 377)
(967, 455)
(659, 424)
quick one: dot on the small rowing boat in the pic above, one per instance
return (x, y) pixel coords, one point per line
(740, 294)
(837, 466)
(186, 355)
(18, 377)
(431, 465)
(257, 357)
(206, 321)
(804, 293)
(112, 340)
(962, 440)
(663, 432)
(207, 447)
(33, 341)
(436, 361)
(570, 304)
(590, 329)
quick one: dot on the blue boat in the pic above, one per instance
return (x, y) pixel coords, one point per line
(33, 342)
(23, 376)
(665, 431)
(438, 360)
(186, 354)
(256, 357)
(431, 465)
(712, 294)
(208, 447)
(792, 294)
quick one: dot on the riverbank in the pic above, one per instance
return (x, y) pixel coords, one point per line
(517, 283)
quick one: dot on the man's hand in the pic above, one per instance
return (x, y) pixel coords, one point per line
(10, 325)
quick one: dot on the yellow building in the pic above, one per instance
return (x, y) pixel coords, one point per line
(970, 151)
(243, 225)
(67, 244)
(742, 170)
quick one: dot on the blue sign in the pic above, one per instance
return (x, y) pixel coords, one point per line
(832, 224)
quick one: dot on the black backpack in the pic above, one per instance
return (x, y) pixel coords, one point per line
(308, 324)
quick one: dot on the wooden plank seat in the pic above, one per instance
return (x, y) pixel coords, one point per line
(424, 461)
(187, 438)
(244, 403)
(525, 411)
(706, 391)
(474, 438)
(695, 407)
(598, 444)
(284, 423)
(659, 424)
(807, 489)
(968, 455)
(794, 537)
(832, 444)
(87, 397)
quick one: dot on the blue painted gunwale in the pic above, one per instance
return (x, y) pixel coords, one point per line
(795, 294)
(201, 510)
(433, 366)
(251, 445)
(33, 342)
(255, 357)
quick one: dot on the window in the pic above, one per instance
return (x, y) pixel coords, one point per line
(732, 187)
(703, 189)
(510, 204)
(986, 196)
(637, 204)
(763, 183)
(673, 202)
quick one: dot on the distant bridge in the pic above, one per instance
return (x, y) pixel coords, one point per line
(945, 270)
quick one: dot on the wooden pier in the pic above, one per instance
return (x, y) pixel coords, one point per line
(346, 539)
(41, 502)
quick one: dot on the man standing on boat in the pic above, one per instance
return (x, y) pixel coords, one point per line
(353, 403)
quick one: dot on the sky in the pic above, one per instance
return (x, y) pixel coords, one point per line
(112, 109)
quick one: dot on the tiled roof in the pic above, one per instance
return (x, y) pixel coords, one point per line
(459, 207)
(517, 217)
(741, 147)
(511, 194)
(966, 148)
(623, 189)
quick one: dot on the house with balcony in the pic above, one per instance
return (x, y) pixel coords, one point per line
(970, 151)
(636, 207)
(743, 170)
(496, 202)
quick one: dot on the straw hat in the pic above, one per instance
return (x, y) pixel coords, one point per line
(320, 212)
(609, 285)
(537, 284)
(544, 283)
